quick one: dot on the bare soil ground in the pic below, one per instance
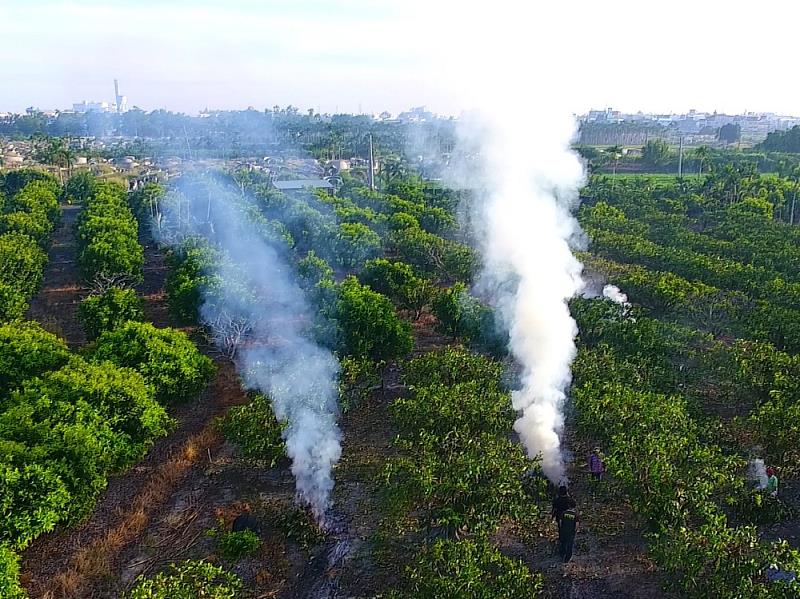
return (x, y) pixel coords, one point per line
(152, 290)
(55, 307)
(610, 558)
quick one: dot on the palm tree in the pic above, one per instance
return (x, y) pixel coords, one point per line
(795, 177)
(702, 155)
(614, 154)
(392, 168)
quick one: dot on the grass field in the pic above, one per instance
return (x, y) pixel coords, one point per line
(665, 177)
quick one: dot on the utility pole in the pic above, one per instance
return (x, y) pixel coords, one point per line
(371, 167)
(680, 157)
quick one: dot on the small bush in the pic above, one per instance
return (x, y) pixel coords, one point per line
(471, 570)
(299, 526)
(189, 580)
(255, 430)
(234, 545)
(106, 311)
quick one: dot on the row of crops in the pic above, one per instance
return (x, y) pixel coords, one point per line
(686, 386)
(371, 264)
(680, 390)
(69, 421)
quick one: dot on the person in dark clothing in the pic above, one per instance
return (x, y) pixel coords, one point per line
(566, 516)
(561, 504)
(566, 533)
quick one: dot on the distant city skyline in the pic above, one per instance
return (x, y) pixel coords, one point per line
(360, 56)
(591, 114)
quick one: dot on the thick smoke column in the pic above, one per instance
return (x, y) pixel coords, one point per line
(256, 290)
(508, 65)
(529, 269)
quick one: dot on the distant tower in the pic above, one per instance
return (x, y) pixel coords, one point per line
(371, 169)
(121, 102)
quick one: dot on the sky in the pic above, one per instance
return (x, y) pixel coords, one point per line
(373, 55)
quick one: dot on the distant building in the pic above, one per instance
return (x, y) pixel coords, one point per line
(85, 106)
(417, 114)
(128, 163)
(12, 158)
(338, 165)
(301, 184)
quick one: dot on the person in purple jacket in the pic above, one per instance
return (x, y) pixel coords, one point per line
(596, 465)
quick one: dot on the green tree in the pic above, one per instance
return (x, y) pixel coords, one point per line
(356, 243)
(79, 187)
(369, 325)
(28, 351)
(462, 316)
(614, 154)
(106, 311)
(397, 281)
(470, 569)
(67, 430)
(656, 153)
(312, 270)
(166, 358)
(730, 133)
(702, 156)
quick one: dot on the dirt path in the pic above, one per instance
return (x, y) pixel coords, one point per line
(610, 558)
(71, 562)
(55, 307)
(152, 290)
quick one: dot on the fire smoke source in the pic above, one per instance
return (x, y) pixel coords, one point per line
(758, 473)
(525, 198)
(528, 259)
(256, 289)
(614, 293)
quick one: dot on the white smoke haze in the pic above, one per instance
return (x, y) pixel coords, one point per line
(277, 355)
(516, 139)
(758, 473)
(615, 294)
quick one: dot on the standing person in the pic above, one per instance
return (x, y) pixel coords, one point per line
(566, 533)
(772, 482)
(561, 504)
(596, 465)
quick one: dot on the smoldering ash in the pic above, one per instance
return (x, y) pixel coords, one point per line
(256, 300)
(529, 187)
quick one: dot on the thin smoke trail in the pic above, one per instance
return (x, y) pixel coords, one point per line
(255, 287)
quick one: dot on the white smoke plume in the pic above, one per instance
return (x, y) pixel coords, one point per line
(758, 473)
(514, 145)
(256, 288)
(615, 294)
(529, 268)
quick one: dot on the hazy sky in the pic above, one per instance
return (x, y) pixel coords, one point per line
(372, 55)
